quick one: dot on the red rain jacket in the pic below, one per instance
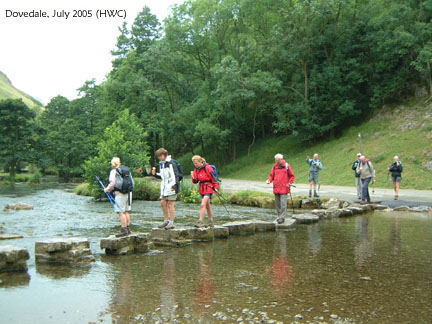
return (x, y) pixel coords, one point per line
(204, 177)
(280, 177)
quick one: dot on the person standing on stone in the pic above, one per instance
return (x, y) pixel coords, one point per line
(367, 173)
(122, 193)
(315, 167)
(396, 169)
(357, 176)
(282, 177)
(168, 187)
(205, 176)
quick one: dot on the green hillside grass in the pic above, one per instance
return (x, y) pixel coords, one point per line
(404, 130)
(8, 91)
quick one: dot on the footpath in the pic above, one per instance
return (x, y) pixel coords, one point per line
(407, 197)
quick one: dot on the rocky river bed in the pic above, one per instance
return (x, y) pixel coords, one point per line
(373, 268)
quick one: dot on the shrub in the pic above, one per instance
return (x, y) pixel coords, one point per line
(146, 189)
(35, 178)
(189, 192)
(83, 189)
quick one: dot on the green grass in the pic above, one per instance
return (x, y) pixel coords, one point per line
(384, 136)
(8, 91)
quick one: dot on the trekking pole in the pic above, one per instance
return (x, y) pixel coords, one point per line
(292, 203)
(221, 198)
(110, 197)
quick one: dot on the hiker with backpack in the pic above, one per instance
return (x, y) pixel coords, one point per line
(121, 182)
(367, 173)
(206, 175)
(282, 177)
(396, 172)
(171, 173)
(357, 176)
(315, 167)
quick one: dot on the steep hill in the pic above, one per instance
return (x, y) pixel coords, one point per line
(8, 91)
(404, 130)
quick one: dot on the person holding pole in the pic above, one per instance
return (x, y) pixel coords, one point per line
(315, 167)
(282, 177)
(396, 171)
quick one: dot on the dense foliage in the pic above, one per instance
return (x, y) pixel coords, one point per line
(217, 75)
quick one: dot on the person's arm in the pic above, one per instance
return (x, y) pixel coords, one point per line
(271, 176)
(195, 176)
(354, 166)
(320, 165)
(400, 167)
(291, 175)
(112, 181)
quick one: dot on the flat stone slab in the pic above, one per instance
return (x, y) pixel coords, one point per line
(264, 226)
(240, 228)
(401, 208)
(332, 203)
(18, 206)
(289, 222)
(220, 232)
(71, 251)
(306, 219)
(356, 210)
(421, 209)
(202, 234)
(133, 243)
(345, 212)
(321, 213)
(10, 236)
(13, 258)
(176, 237)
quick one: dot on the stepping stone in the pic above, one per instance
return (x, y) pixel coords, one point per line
(289, 222)
(310, 203)
(13, 258)
(332, 203)
(240, 228)
(356, 210)
(345, 212)
(202, 234)
(176, 237)
(137, 242)
(18, 206)
(74, 251)
(319, 212)
(379, 207)
(306, 219)
(401, 208)
(10, 236)
(264, 226)
(220, 232)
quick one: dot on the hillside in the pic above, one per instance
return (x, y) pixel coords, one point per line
(8, 91)
(404, 130)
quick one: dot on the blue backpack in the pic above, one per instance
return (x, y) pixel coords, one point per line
(214, 173)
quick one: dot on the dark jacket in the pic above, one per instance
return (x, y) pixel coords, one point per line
(281, 177)
(206, 179)
(354, 167)
(395, 169)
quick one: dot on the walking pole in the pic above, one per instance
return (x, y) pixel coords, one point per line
(292, 203)
(110, 197)
(221, 198)
(361, 143)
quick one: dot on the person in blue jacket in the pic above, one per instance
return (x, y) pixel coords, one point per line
(315, 167)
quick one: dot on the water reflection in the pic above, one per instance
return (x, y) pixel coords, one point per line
(395, 236)
(122, 306)
(168, 289)
(364, 245)
(61, 271)
(281, 271)
(14, 279)
(315, 240)
(203, 296)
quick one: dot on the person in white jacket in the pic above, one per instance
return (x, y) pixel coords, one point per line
(168, 187)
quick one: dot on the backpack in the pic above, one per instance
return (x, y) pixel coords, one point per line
(214, 173)
(178, 171)
(124, 182)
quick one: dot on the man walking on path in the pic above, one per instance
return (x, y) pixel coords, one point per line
(357, 176)
(367, 173)
(282, 177)
(315, 167)
(396, 169)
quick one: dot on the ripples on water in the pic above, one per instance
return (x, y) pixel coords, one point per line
(367, 269)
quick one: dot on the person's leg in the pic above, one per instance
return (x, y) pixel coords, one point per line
(278, 204)
(364, 190)
(123, 222)
(366, 185)
(283, 206)
(209, 209)
(359, 187)
(397, 184)
(316, 179)
(205, 200)
(171, 210)
(164, 205)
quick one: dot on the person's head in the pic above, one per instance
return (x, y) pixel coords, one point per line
(363, 159)
(161, 154)
(396, 158)
(198, 161)
(115, 162)
(278, 158)
(358, 156)
(316, 156)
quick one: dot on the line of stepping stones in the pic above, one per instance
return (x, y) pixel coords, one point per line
(76, 251)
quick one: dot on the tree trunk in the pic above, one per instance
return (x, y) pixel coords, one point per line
(253, 130)
(12, 168)
(430, 77)
(234, 152)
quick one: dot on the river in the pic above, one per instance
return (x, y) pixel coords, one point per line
(374, 268)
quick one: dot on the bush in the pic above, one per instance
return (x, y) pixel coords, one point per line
(189, 192)
(35, 178)
(253, 198)
(146, 189)
(83, 189)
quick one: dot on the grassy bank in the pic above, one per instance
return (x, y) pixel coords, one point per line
(32, 178)
(404, 130)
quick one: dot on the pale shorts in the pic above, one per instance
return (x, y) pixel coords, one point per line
(170, 197)
(124, 200)
(314, 177)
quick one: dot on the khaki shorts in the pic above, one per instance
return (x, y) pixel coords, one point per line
(124, 200)
(170, 197)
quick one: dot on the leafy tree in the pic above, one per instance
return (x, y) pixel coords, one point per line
(16, 131)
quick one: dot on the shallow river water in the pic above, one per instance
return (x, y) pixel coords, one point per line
(375, 268)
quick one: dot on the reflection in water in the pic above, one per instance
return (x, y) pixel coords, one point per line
(315, 240)
(167, 291)
(204, 292)
(121, 306)
(14, 279)
(61, 271)
(281, 271)
(364, 247)
(395, 236)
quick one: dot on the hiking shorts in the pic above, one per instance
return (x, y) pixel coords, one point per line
(170, 197)
(207, 195)
(124, 200)
(314, 177)
(397, 179)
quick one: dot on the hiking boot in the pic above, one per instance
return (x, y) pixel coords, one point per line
(280, 220)
(310, 194)
(129, 230)
(315, 194)
(199, 224)
(123, 232)
(396, 197)
(210, 223)
(165, 223)
(169, 226)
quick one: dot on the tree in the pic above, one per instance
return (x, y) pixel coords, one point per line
(16, 132)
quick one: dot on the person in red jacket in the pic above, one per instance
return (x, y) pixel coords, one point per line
(204, 175)
(282, 177)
